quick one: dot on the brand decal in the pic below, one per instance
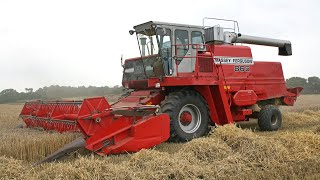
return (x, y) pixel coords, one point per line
(241, 68)
(233, 60)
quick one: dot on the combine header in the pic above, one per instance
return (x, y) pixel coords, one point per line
(185, 79)
(51, 115)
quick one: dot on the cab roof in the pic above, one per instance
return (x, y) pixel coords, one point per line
(147, 25)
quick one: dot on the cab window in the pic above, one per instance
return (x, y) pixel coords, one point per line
(165, 43)
(181, 43)
(197, 38)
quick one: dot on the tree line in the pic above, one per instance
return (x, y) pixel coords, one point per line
(56, 92)
(311, 85)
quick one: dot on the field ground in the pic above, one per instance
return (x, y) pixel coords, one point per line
(227, 153)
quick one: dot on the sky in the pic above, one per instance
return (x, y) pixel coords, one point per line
(75, 42)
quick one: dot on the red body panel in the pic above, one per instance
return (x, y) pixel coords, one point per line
(264, 78)
(244, 98)
(228, 92)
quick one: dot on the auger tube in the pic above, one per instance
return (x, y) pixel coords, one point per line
(284, 46)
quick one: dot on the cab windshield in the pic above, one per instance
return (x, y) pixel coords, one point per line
(148, 43)
(151, 42)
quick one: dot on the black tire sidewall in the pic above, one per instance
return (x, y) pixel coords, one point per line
(265, 118)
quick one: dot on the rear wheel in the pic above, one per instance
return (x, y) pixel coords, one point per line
(270, 118)
(189, 115)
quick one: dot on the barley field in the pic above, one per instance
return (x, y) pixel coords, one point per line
(229, 152)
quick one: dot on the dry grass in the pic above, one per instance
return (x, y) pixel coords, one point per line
(30, 145)
(26, 144)
(310, 102)
(317, 130)
(227, 153)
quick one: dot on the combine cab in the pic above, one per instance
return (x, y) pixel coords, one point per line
(185, 79)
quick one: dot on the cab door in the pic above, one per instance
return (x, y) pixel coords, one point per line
(165, 40)
(182, 51)
(185, 50)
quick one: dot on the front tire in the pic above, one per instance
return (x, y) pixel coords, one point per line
(270, 118)
(189, 115)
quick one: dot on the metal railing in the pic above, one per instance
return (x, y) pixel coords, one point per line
(197, 48)
(235, 28)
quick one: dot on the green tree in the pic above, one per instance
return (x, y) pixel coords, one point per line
(314, 85)
(296, 82)
(9, 95)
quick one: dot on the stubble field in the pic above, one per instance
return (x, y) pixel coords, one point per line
(228, 152)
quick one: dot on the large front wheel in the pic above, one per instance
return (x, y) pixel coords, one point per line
(189, 115)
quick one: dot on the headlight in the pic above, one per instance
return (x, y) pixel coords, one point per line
(129, 70)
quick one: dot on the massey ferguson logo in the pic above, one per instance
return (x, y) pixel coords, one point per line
(233, 60)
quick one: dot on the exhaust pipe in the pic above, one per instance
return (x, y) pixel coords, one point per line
(66, 149)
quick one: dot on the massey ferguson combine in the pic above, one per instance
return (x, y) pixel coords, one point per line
(186, 79)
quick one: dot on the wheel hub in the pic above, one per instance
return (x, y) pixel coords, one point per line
(274, 119)
(185, 118)
(189, 118)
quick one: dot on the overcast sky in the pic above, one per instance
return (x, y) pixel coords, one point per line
(73, 42)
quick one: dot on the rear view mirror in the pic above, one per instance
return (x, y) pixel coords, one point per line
(131, 32)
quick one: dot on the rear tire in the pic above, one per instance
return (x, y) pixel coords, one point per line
(189, 115)
(269, 118)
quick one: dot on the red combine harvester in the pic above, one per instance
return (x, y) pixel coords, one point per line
(185, 79)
